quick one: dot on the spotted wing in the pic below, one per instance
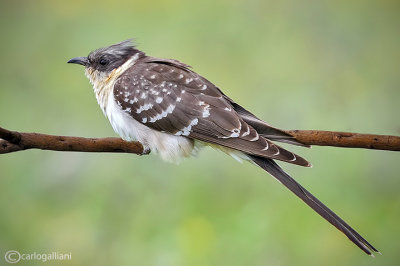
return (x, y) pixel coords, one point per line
(167, 96)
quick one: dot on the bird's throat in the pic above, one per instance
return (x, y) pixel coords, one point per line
(103, 82)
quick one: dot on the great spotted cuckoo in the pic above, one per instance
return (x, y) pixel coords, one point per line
(174, 111)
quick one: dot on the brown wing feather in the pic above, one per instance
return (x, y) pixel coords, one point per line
(167, 96)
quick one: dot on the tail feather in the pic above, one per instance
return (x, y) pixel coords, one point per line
(288, 140)
(273, 168)
(264, 129)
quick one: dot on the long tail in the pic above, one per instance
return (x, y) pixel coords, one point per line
(273, 168)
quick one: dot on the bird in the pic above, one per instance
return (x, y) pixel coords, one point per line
(173, 111)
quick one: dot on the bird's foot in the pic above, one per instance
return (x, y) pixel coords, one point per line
(146, 151)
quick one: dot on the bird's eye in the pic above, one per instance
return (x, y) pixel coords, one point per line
(103, 62)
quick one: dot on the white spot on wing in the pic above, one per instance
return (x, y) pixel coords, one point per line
(255, 138)
(247, 132)
(187, 81)
(144, 107)
(186, 130)
(204, 87)
(169, 110)
(206, 112)
(180, 76)
(276, 152)
(147, 106)
(266, 147)
(234, 135)
(159, 99)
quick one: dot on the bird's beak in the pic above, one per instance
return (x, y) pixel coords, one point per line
(79, 60)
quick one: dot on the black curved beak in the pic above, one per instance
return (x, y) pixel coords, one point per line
(80, 61)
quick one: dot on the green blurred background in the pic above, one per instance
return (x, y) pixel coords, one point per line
(331, 65)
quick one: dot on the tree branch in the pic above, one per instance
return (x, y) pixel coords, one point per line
(346, 139)
(12, 141)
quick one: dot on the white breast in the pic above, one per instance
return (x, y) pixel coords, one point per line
(170, 147)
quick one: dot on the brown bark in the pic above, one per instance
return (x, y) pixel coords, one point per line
(346, 139)
(12, 141)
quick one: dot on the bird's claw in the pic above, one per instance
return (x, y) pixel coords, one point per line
(146, 151)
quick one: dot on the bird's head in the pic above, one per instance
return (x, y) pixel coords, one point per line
(102, 62)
